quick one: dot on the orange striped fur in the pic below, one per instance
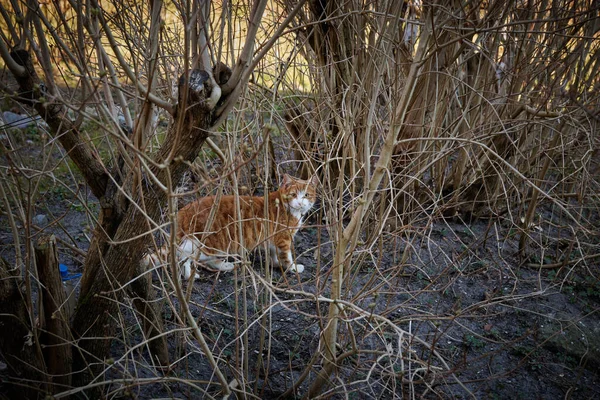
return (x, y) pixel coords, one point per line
(208, 228)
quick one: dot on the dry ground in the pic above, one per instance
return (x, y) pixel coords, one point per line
(506, 327)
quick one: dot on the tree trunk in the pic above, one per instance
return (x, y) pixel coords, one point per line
(113, 258)
(56, 334)
(128, 210)
(115, 263)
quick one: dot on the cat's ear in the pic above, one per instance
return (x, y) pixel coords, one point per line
(314, 181)
(286, 180)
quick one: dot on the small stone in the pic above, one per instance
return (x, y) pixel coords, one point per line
(40, 220)
(14, 120)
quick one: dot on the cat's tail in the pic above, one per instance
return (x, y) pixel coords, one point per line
(189, 257)
(160, 258)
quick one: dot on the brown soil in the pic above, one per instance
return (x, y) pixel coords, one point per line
(506, 328)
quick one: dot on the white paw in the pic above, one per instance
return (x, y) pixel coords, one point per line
(225, 266)
(186, 277)
(299, 268)
(187, 271)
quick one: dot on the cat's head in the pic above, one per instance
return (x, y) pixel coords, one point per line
(298, 195)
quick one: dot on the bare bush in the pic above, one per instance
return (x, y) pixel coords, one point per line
(456, 145)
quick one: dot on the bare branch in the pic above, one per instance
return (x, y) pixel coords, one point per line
(244, 58)
(9, 25)
(125, 66)
(231, 84)
(15, 67)
(45, 60)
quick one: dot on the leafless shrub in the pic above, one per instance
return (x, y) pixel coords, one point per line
(454, 144)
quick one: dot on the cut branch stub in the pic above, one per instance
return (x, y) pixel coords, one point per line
(193, 117)
(56, 336)
(194, 88)
(17, 342)
(195, 84)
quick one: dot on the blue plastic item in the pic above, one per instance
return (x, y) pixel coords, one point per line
(64, 273)
(74, 276)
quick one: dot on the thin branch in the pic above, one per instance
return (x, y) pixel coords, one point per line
(174, 264)
(13, 66)
(45, 60)
(231, 85)
(242, 63)
(9, 24)
(170, 108)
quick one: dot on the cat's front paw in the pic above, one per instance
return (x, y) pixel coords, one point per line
(225, 266)
(299, 268)
(188, 270)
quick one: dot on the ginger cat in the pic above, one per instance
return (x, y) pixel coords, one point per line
(208, 232)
